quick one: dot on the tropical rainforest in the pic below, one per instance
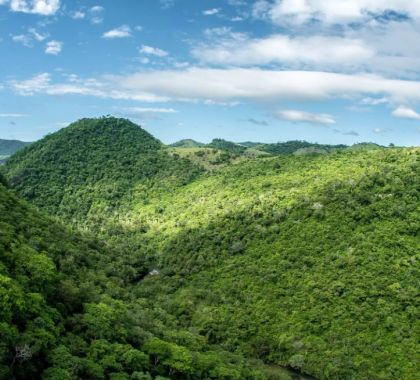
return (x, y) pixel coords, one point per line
(124, 258)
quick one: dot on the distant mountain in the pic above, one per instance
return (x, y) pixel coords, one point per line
(187, 143)
(290, 147)
(227, 146)
(250, 144)
(365, 146)
(8, 147)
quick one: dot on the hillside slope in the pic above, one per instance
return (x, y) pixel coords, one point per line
(64, 314)
(310, 261)
(85, 170)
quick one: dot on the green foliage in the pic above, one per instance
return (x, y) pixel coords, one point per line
(187, 143)
(291, 147)
(227, 146)
(308, 261)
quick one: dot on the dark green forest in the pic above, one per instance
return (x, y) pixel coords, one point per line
(122, 258)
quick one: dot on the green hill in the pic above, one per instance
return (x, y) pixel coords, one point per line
(187, 143)
(86, 169)
(8, 147)
(227, 146)
(309, 262)
(290, 147)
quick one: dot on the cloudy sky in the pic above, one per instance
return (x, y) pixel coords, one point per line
(330, 71)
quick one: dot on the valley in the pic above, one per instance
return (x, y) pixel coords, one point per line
(124, 258)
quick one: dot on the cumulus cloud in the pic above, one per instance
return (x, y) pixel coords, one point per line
(105, 88)
(221, 86)
(211, 12)
(123, 31)
(97, 9)
(78, 15)
(23, 39)
(406, 113)
(28, 38)
(41, 7)
(53, 47)
(31, 86)
(142, 110)
(331, 11)
(150, 50)
(37, 35)
(282, 49)
(95, 14)
(305, 117)
(257, 84)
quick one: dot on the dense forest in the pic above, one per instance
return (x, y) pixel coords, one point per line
(225, 261)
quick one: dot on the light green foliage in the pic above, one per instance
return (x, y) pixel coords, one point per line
(309, 262)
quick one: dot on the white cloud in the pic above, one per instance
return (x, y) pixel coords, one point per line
(305, 117)
(166, 4)
(96, 20)
(97, 9)
(78, 15)
(150, 50)
(105, 88)
(374, 101)
(227, 85)
(379, 130)
(27, 39)
(211, 12)
(143, 110)
(53, 47)
(41, 7)
(406, 113)
(37, 35)
(330, 11)
(33, 85)
(24, 39)
(12, 115)
(123, 31)
(217, 32)
(257, 84)
(282, 49)
(95, 14)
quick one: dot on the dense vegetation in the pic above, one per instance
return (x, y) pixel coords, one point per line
(65, 315)
(310, 262)
(291, 147)
(92, 165)
(187, 143)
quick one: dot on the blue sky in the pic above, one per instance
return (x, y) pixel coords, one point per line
(329, 71)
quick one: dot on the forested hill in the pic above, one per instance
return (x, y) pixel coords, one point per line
(305, 261)
(93, 163)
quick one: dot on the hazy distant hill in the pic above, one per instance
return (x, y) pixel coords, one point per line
(8, 147)
(187, 143)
